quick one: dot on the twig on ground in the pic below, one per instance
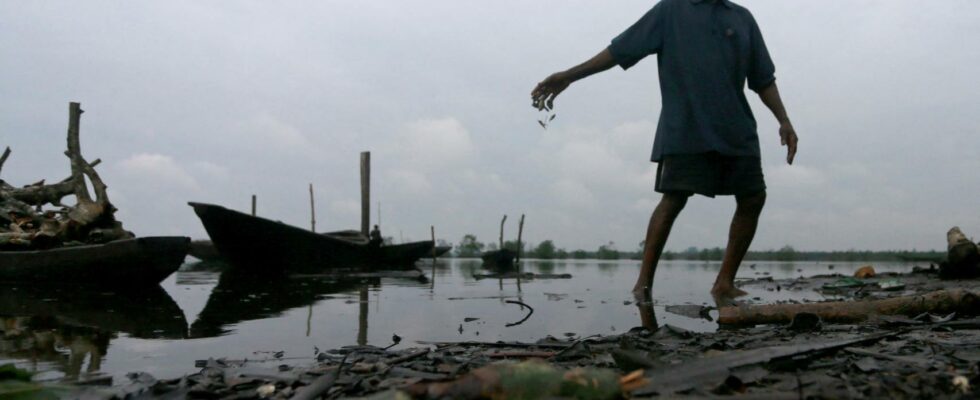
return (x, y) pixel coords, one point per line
(520, 303)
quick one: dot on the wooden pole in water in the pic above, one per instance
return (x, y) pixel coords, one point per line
(362, 317)
(502, 232)
(365, 193)
(520, 231)
(433, 230)
(253, 205)
(312, 211)
(309, 320)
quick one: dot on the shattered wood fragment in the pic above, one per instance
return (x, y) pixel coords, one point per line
(407, 357)
(520, 354)
(714, 370)
(497, 344)
(918, 362)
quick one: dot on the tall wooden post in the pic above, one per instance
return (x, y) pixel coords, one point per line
(3, 158)
(520, 231)
(253, 205)
(312, 211)
(433, 284)
(502, 232)
(365, 193)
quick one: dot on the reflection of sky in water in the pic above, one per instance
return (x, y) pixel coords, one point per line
(594, 301)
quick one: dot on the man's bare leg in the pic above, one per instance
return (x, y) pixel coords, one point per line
(658, 229)
(740, 236)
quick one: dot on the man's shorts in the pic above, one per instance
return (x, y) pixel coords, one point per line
(710, 174)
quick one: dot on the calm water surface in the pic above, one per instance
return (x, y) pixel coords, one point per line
(200, 314)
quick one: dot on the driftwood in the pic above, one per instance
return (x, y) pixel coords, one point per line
(26, 223)
(938, 302)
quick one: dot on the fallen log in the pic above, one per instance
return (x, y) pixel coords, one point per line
(938, 302)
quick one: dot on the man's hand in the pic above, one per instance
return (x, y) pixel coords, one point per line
(787, 135)
(543, 96)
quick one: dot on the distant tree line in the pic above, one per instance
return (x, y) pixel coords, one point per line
(469, 247)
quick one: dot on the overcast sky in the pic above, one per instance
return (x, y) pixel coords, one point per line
(214, 101)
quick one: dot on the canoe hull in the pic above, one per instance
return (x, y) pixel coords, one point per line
(250, 242)
(124, 263)
(499, 259)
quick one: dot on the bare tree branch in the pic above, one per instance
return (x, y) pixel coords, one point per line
(74, 152)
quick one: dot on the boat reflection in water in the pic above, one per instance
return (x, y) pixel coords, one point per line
(69, 330)
(65, 326)
(241, 296)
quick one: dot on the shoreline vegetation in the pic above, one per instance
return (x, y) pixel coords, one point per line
(470, 247)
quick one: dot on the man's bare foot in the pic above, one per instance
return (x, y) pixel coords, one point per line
(727, 291)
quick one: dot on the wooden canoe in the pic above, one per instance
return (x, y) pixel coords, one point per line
(499, 259)
(261, 244)
(204, 250)
(442, 250)
(125, 263)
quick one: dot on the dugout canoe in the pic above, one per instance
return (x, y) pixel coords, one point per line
(261, 244)
(442, 250)
(128, 263)
(499, 259)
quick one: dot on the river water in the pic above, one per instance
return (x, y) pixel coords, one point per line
(200, 313)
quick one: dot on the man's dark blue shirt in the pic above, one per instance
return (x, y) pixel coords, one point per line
(706, 51)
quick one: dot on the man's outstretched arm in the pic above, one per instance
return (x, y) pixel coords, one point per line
(787, 135)
(544, 94)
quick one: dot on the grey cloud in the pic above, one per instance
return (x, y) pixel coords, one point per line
(261, 97)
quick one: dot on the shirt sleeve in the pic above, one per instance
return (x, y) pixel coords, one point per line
(762, 72)
(645, 37)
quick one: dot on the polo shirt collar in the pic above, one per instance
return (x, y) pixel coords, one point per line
(727, 3)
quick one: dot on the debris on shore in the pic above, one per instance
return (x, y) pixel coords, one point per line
(928, 356)
(26, 223)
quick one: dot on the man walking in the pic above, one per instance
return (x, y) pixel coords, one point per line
(706, 141)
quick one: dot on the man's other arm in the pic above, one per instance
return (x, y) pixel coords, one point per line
(787, 135)
(544, 93)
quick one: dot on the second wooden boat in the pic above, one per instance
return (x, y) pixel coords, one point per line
(252, 242)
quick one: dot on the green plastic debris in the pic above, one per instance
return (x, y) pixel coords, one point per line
(10, 372)
(15, 384)
(891, 285)
(843, 283)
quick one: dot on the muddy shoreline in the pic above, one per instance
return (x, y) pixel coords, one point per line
(935, 356)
